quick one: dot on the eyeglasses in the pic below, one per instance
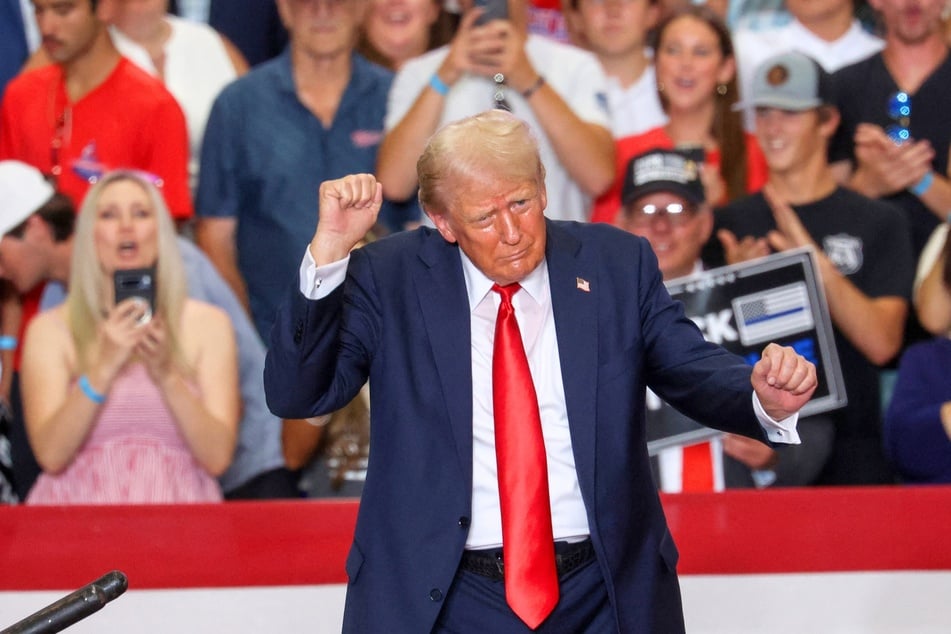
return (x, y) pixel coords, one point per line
(498, 95)
(899, 111)
(676, 214)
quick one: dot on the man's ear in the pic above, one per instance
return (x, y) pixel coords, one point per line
(829, 119)
(441, 221)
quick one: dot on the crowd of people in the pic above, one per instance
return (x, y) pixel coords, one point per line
(189, 140)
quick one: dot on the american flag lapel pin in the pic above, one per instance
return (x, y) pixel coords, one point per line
(583, 284)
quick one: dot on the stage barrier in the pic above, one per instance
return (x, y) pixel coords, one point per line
(834, 560)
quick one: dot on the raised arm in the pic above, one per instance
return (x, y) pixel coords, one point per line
(308, 370)
(585, 149)
(404, 142)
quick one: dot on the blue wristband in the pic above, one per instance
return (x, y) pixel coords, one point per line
(922, 186)
(8, 342)
(88, 390)
(438, 85)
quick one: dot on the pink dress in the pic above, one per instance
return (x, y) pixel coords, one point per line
(135, 454)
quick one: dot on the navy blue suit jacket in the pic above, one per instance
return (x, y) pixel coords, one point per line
(402, 319)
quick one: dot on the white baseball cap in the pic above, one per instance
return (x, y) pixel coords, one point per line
(23, 190)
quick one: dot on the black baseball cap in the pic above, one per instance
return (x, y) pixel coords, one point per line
(662, 171)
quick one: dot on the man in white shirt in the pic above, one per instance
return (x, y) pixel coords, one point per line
(616, 32)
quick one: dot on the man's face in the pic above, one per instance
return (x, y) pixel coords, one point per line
(322, 28)
(676, 229)
(136, 18)
(499, 224)
(613, 27)
(911, 21)
(25, 261)
(811, 11)
(68, 28)
(793, 140)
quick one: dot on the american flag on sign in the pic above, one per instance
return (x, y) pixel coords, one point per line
(771, 314)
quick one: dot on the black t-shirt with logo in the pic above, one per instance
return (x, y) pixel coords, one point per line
(869, 241)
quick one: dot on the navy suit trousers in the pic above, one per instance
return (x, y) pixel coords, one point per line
(476, 604)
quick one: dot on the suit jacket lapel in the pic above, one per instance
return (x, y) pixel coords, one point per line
(574, 293)
(441, 290)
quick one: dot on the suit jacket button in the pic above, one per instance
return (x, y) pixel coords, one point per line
(464, 522)
(435, 595)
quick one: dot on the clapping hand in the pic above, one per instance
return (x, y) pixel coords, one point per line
(790, 232)
(495, 47)
(890, 167)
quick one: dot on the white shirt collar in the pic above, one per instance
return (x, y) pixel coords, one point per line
(478, 285)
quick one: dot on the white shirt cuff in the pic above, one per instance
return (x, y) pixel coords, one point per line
(779, 431)
(317, 282)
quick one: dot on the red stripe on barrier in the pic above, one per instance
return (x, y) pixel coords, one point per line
(306, 542)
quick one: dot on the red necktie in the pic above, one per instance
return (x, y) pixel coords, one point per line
(531, 580)
(698, 468)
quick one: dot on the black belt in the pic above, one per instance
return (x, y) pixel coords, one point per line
(488, 563)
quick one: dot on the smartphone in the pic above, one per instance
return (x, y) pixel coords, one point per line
(136, 283)
(695, 153)
(492, 10)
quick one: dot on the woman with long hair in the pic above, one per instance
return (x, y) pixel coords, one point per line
(696, 81)
(134, 401)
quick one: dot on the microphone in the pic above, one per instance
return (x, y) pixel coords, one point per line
(73, 607)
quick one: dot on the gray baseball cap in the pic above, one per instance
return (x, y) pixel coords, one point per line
(790, 81)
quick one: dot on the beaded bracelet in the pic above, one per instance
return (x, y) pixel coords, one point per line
(8, 342)
(96, 397)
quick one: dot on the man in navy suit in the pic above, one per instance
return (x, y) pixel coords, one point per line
(414, 313)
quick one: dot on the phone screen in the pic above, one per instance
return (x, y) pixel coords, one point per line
(136, 283)
(492, 10)
(695, 153)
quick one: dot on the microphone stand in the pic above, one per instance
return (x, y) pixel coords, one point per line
(73, 607)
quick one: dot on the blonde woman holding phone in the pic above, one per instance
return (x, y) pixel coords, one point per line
(121, 407)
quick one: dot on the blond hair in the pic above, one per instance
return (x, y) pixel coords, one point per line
(485, 145)
(84, 303)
